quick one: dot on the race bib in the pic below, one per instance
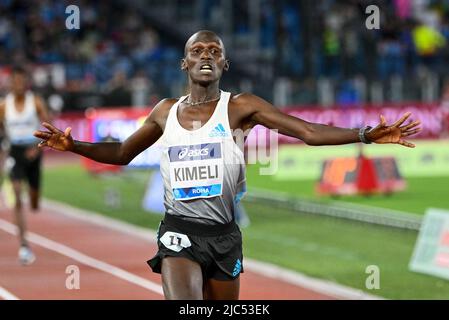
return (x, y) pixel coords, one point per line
(196, 171)
(175, 241)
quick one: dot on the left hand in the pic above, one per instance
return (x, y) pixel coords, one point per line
(394, 133)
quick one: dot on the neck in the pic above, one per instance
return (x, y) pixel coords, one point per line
(19, 96)
(200, 93)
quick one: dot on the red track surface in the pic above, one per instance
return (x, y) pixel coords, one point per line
(46, 278)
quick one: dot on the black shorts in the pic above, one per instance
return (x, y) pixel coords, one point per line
(25, 169)
(216, 248)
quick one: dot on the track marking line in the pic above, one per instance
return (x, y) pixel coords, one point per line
(5, 294)
(84, 259)
(262, 268)
(321, 286)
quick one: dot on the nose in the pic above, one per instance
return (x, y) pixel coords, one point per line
(206, 55)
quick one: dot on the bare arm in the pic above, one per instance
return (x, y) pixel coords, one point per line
(121, 153)
(118, 153)
(42, 109)
(319, 134)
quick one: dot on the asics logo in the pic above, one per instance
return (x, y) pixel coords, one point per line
(193, 152)
(202, 151)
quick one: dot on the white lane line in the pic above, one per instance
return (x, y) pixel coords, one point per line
(5, 294)
(264, 269)
(84, 259)
(318, 285)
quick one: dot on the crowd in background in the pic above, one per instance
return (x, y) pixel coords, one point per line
(119, 52)
(412, 34)
(114, 49)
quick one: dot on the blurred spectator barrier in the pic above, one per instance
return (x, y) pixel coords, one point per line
(431, 254)
(337, 209)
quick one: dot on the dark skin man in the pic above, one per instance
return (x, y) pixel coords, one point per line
(204, 62)
(19, 87)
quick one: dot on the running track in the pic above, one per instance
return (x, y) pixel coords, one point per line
(111, 261)
(112, 264)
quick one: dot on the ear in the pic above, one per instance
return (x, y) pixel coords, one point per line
(227, 65)
(183, 64)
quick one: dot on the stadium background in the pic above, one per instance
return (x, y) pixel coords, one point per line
(315, 59)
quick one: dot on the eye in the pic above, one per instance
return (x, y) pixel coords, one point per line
(196, 51)
(214, 51)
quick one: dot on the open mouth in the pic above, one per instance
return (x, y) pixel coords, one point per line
(207, 68)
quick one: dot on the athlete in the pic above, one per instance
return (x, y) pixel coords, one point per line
(200, 245)
(21, 113)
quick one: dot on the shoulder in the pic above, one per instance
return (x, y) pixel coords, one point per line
(243, 98)
(166, 103)
(247, 100)
(160, 111)
(242, 103)
(39, 103)
(163, 106)
(38, 99)
(249, 103)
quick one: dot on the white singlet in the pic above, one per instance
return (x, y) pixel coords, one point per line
(20, 126)
(203, 169)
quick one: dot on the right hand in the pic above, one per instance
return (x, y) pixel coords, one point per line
(55, 138)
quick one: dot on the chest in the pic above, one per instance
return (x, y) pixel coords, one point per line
(18, 106)
(192, 118)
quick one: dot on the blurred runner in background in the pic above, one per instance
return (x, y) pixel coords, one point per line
(21, 113)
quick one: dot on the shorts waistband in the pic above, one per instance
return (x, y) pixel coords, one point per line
(200, 229)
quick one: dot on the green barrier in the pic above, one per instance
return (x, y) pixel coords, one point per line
(429, 158)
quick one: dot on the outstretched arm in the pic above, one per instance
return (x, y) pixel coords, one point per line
(265, 114)
(118, 153)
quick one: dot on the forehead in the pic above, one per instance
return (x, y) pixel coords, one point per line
(204, 42)
(205, 39)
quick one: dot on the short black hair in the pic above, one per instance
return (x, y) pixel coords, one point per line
(18, 70)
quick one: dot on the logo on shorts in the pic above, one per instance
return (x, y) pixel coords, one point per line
(237, 268)
(218, 131)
